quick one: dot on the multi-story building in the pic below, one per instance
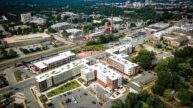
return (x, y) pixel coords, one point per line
(59, 75)
(122, 65)
(58, 60)
(88, 74)
(126, 49)
(25, 39)
(26, 17)
(107, 77)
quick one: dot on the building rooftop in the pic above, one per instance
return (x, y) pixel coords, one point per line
(118, 48)
(115, 19)
(60, 56)
(29, 37)
(73, 31)
(60, 70)
(87, 69)
(106, 71)
(187, 26)
(123, 61)
(58, 25)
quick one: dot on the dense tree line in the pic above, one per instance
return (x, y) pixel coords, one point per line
(141, 100)
(176, 74)
(144, 59)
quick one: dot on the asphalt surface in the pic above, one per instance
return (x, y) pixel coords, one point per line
(82, 97)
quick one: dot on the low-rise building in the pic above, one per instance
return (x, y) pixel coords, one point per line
(61, 26)
(75, 34)
(25, 39)
(122, 65)
(176, 39)
(156, 27)
(187, 28)
(58, 60)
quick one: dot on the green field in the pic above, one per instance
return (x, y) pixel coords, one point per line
(66, 87)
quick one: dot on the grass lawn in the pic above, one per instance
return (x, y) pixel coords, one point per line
(99, 47)
(66, 87)
(17, 75)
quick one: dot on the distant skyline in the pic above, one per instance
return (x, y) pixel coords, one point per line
(67, 1)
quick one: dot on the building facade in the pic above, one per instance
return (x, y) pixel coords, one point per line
(58, 60)
(122, 65)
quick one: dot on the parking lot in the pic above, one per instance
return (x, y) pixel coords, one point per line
(79, 98)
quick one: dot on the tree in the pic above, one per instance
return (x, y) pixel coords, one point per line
(167, 95)
(133, 25)
(144, 59)
(117, 104)
(65, 34)
(51, 30)
(186, 98)
(131, 100)
(158, 89)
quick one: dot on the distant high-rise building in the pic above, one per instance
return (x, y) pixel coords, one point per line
(26, 17)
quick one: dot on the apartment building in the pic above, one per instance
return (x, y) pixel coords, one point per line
(88, 74)
(107, 77)
(126, 49)
(58, 60)
(122, 65)
(59, 75)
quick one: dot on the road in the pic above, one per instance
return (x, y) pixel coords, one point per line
(11, 62)
(23, 87)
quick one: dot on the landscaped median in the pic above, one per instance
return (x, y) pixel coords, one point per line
(64, 88)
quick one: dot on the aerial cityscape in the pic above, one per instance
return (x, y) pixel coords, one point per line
(96, 53)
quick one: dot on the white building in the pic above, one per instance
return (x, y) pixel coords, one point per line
(107, 77)
(122, 65)
(38, 20)
(75, 34)
(88, 74)
(126, 49)
(26, 17)
(187, 27)
(61, 26)
(59, 75)
(60, 59)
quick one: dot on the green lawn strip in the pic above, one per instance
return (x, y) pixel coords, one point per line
(66, 87)
(17, 75)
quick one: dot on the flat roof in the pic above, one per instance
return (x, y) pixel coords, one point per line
(73, 30)
(29, 37)
(87, 69)
(123, 61)
(60, 56)
(115, 19)
(118, 48)
(60, 70)
(60, 24)
(106, 71)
